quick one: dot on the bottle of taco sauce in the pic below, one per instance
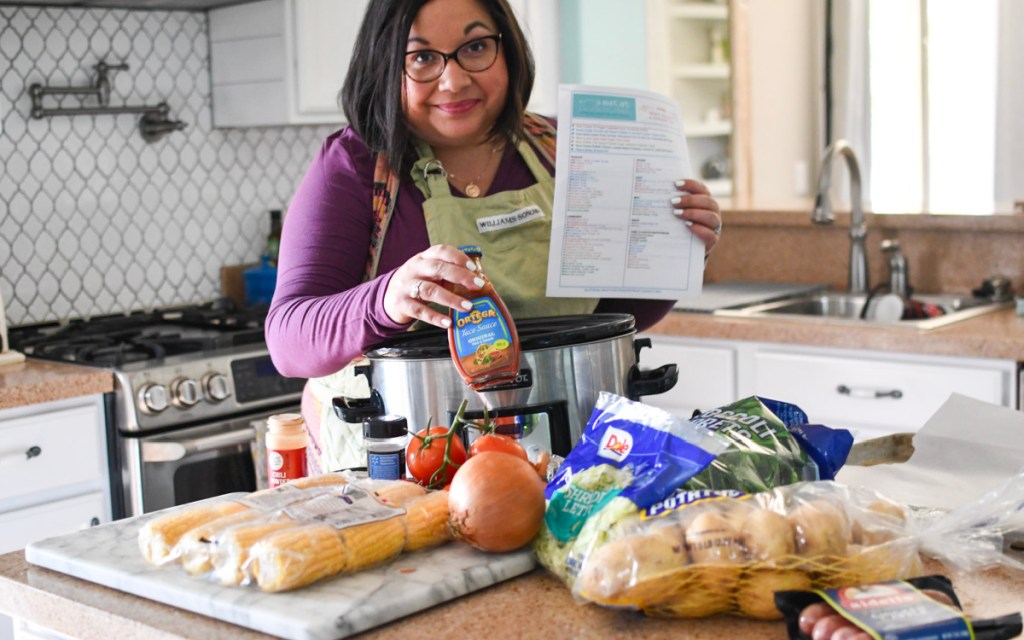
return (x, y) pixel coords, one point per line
(483, 342)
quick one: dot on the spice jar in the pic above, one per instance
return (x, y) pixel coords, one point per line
(286, 448)
(385, 438)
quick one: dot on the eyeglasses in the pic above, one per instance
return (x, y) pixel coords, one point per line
(427, 65)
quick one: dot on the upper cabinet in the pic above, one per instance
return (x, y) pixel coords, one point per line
(690, 58)
(281, 62)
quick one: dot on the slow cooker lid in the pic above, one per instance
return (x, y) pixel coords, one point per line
(534, 333)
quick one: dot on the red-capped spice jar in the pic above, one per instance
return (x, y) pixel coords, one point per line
(483, 342)
(286, 448)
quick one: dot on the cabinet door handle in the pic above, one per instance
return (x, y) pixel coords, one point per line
(24, 456)
(895, 394)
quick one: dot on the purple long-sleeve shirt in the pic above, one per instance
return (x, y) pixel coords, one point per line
(323, 316)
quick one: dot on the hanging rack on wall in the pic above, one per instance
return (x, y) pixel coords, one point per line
(153, 125)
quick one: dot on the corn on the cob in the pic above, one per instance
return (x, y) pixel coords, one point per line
(158, 536)
(230, 555)
(195, 549)
(397, 493)
(295, 558)
(426, 521)
(372, 543)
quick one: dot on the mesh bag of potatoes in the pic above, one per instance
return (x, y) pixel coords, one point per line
(300, 532)
(700, 553)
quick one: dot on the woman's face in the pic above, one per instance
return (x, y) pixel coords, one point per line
(460, 107)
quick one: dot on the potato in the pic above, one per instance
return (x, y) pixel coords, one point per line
(896, 560)
(711, 538)
(628, 571)
(700, 591)
(821, 529)
(879, 522)
(767, 536)
(755, 596)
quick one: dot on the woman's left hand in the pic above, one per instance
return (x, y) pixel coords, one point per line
(699, 210)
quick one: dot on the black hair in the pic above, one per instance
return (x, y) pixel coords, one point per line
(372, 94)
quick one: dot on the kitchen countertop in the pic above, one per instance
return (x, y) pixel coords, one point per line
(34, 381)
(998, 335)
(535, 605)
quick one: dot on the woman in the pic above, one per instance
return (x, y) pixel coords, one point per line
(435, 97)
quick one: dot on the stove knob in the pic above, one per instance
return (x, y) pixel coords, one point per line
(153, 398)
(185, 392)
(217, 387)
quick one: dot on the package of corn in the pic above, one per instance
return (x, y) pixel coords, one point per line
(346, 541)
(159, 538)
(700, 553)
(304, 530)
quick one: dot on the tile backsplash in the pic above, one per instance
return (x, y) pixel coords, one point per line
(95, 219)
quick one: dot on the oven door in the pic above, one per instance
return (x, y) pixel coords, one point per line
(200, 462)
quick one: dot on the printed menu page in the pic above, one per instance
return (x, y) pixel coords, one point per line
(613, 234)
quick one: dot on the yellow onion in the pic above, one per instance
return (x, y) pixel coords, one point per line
(496, 502)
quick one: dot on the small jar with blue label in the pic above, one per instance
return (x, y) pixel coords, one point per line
(385, 438)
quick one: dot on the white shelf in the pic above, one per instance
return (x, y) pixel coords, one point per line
(701, 11)
(709, 129)
(702, 71)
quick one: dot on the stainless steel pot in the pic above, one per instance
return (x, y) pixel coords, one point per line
(566, 362)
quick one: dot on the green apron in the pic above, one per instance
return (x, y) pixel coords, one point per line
(512, 228)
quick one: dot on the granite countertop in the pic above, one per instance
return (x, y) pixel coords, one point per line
(998, 335)
(34, 381)
(534, 605)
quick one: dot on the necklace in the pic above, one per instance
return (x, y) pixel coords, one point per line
(472, 188)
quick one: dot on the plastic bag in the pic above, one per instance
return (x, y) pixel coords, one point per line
(701, 553)
(630, 455)
(762, 452)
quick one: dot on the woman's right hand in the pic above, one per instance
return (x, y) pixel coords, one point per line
(422, 280)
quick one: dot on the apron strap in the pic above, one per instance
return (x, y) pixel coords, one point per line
(542, 135)
(385, 195)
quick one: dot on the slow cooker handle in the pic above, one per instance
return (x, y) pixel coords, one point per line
(648, 383)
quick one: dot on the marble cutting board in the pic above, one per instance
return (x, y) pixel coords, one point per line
(334, 608)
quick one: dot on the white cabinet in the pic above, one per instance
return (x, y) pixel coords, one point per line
(53, 470)
(281, 62)
(873, 393)
(54, 477)
(707, 373)
(688, 59)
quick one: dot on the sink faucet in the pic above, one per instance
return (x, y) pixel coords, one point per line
(858, 276)
(899, 272)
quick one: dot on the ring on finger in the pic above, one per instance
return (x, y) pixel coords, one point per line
(718, 229)
(415, 292)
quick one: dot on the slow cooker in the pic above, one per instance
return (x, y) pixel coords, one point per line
(566, 362)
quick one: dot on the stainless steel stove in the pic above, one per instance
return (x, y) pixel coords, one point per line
(192, 388)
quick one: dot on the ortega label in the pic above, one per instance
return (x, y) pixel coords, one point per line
(481, 333)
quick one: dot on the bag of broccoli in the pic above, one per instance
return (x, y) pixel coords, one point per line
(762, 453)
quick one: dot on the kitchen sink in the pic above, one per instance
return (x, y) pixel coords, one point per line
(846, 308)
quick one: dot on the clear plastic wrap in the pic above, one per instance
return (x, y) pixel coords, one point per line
(296, 534)
(701, 553)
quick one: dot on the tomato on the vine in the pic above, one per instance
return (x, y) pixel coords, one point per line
(497, 442)
(425, 456)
